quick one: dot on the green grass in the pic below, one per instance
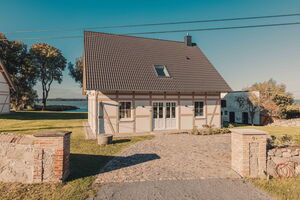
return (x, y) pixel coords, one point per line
(283, 189)
(278, 131)
(87, 158)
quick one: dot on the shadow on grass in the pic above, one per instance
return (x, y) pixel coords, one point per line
(43, 116)
(120, 141)
(35, 129)
(84, 165)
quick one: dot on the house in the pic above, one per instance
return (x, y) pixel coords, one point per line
(5, 86)
(140, 85)
(236, 108)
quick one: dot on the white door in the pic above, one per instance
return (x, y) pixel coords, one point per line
(164, 115)
(158, 115)
(170, 115)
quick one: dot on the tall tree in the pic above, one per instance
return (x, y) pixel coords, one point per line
(76, 72)
(16, 59)
(50, 64)
(271, 97)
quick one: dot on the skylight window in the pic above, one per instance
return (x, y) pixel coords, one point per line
(161, 71)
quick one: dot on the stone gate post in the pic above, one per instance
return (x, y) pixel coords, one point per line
(248, 152)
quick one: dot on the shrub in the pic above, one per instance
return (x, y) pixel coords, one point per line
(195, 130)
(286, 140)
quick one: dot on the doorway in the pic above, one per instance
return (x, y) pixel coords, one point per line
(231, 117)
(164, 115)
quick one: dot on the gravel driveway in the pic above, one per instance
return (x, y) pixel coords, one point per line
(172, 157)
(175, 166)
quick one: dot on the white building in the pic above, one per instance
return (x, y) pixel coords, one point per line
(5, 86)
(236, 109)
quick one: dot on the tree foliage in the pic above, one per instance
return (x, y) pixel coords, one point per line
(17, 60)
(272, 97)
(50, 64)
(76, 72)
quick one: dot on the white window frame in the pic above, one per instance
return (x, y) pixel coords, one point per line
(119, 111)
(201, 116)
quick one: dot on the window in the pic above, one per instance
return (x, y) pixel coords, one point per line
(223, 103)
(199, 109)
(226, 112)
(125, 110)
(161, 71)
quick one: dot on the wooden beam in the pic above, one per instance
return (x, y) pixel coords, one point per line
(134, 111)
(205, 104)
(151, 111)
(179, 112)
(193, 102)
(117, 112)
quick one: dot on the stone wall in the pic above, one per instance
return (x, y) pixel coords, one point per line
(284, 162)
(42, 157)
(286, 122)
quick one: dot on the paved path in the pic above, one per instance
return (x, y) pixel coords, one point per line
(209, 189)
(175, 166)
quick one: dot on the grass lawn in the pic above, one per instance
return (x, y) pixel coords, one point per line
(282, 189)
(87, 158)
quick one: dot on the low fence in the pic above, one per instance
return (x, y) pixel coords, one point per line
(251, 158)
(42, 157)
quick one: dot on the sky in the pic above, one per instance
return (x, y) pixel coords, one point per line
(243, 56)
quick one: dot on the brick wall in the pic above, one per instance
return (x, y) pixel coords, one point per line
(42, 157)
(248, 152)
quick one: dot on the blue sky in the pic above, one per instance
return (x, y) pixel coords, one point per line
(241, 56)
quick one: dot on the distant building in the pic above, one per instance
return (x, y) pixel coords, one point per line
(233, 112)
(5, 86)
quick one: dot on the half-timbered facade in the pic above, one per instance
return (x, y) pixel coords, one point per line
(141, 85)
(5, 86)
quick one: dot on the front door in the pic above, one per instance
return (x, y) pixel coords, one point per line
(231, 117)
(245, 118)
(164, 115)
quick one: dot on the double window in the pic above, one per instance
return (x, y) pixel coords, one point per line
(199, 109)
(125, 110)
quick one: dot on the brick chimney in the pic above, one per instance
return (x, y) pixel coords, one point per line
(188, 40)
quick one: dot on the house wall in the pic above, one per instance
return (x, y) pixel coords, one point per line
(233, 106)
(4, 96)
(103, 108)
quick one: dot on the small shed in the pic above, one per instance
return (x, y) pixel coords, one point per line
(5, 86)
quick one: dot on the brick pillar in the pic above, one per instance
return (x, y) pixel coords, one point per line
(51, 156)
(248, 152)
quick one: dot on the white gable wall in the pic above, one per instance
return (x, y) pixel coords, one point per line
(233, 106)
(4, 96)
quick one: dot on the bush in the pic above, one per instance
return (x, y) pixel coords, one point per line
(283, 141)
(195, 130)
(286, 140)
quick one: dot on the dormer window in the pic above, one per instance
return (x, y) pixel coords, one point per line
(161, 71)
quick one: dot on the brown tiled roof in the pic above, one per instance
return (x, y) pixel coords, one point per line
(118, 62)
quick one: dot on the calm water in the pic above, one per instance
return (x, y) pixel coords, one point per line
(82, 105)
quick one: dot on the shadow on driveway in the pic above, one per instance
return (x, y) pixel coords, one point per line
(84, 165)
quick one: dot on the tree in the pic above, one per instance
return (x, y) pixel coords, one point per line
(249, 102)
(271, 96)
(283, 101)
(16, 59)
(76, 72)
(50, 64)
